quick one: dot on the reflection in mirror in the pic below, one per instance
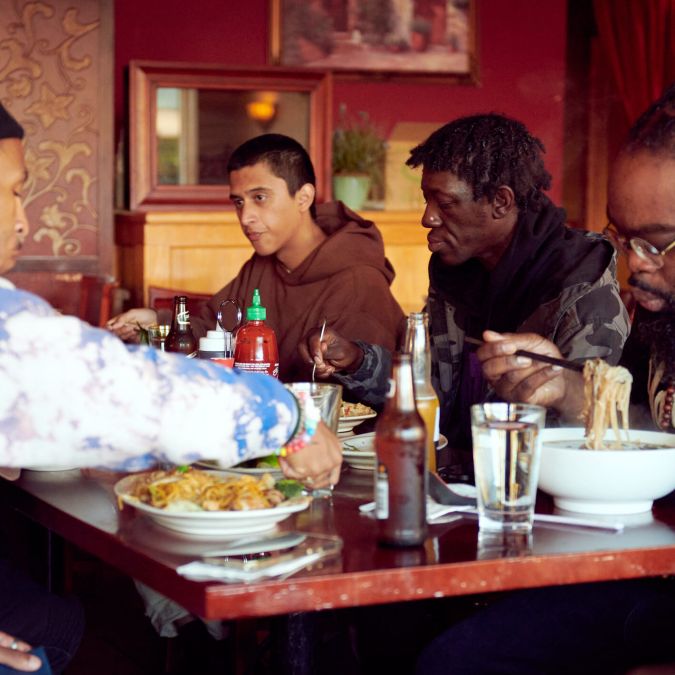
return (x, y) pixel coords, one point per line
(186, 119)
(198, 129)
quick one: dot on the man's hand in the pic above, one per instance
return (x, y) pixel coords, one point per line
(523, 380)
(331, 354)
(318, 464)
(13, 653)
(126, 325)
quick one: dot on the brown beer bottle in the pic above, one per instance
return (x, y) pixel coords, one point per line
(180, 338)
(400, 478)
(418, 344)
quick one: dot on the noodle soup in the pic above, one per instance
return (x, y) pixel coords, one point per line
(611, 481)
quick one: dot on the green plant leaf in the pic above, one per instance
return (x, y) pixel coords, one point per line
(358, 147)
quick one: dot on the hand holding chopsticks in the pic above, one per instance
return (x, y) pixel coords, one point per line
(511, 362)
(543, 358)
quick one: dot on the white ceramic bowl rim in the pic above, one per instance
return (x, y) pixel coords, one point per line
(606, 481)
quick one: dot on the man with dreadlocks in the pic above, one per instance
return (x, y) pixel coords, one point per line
(610, 627)
(502, 259)
(641, 212)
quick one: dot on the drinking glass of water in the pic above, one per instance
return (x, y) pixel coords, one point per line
(328, 399)
(506, 456)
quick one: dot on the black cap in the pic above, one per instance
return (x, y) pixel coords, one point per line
(9, 127)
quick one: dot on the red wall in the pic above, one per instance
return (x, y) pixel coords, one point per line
(521, 60)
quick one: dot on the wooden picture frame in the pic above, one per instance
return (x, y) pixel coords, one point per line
(382, 39)
(146, 190)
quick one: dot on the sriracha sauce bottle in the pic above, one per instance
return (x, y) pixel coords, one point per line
(255, 348)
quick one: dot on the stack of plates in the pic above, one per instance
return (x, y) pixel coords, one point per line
(347, 424)
(359, 451)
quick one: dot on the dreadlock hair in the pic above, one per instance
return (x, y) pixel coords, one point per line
(654, 130)
(284, 156)
(487, 151)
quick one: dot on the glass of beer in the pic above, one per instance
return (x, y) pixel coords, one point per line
(157, 335)
(506, 455)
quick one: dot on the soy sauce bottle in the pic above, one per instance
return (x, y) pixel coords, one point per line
(180, 338)
(400, 474)
(255, 347)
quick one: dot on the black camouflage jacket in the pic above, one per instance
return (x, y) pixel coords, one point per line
(586, 319)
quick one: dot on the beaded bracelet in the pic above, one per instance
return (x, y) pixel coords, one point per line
(310, 416)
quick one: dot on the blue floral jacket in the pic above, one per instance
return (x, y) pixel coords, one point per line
(73, 394)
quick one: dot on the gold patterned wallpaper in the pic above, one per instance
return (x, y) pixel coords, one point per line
(49, 80)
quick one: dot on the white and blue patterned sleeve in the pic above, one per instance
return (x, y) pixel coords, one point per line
(73, 394)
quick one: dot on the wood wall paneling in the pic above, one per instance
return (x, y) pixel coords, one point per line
(200, 252)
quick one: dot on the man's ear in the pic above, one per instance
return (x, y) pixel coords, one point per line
(504, 202)
(304, 197)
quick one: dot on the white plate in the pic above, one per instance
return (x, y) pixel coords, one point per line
(359, 451)
(346, 424)
(606, 481)
(51, 467)
(212, 523)
(244, 470)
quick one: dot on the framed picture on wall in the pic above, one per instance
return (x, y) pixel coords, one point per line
(385, 38)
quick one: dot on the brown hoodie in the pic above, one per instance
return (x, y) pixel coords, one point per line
(345, 279)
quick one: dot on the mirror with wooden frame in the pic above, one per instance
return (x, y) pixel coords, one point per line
(186, 119)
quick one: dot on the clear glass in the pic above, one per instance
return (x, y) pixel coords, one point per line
(506, 456)
(328, 399)
(503, 544)
(157, 335)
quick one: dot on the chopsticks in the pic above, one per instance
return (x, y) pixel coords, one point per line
(563, 363)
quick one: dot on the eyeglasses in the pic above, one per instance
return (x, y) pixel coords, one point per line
(644, 250)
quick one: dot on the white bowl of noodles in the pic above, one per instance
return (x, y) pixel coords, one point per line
(612, 481)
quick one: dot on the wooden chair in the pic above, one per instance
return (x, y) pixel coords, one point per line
(161, 300)
(96, 299)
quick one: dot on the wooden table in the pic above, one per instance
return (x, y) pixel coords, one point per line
(83, 510)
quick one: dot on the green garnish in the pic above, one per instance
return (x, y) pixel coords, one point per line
(144, 338)
(268, 461)
(289, 488)
(183, 468)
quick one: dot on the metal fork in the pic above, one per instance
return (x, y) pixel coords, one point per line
(323, 328)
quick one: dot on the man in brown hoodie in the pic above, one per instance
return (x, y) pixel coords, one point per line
(310, 263)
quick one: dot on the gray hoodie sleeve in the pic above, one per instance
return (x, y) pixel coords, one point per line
(369, 383)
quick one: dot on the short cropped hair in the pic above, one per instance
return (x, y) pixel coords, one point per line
(284, 156)
(487, 151)
(9, 127)
(654, 130)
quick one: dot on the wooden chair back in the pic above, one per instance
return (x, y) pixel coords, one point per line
(161, 300)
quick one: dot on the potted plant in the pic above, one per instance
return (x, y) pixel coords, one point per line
(358, 158)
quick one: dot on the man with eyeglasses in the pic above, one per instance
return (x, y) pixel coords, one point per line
(645, 251)
(609, 627)
(641, 212)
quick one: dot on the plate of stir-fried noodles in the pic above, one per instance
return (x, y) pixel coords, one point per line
(208, 503)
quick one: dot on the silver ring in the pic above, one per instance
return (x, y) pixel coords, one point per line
(14, 645)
